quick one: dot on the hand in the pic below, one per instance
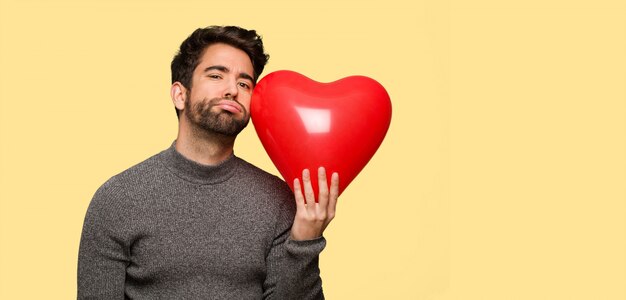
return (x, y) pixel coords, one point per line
(312, 217)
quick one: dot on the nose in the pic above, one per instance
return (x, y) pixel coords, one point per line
(231, 91)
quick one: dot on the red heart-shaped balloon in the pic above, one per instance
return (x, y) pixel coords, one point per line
(307, 124)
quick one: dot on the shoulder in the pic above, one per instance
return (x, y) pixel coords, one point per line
(260, 179)
(265, 185)
(146, 170)
(123, 186)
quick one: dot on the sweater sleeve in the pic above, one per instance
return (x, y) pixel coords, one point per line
(292, 266)
(103, 256)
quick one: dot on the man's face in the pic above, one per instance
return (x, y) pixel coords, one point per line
(219, 100)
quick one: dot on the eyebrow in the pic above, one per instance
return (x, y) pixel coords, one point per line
(226, 70)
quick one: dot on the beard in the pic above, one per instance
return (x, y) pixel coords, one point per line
(222, 122)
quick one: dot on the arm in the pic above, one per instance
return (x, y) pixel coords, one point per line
(292, 268)
(102, 258)
(295, 253)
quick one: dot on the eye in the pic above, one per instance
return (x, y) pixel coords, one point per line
(214, 76)
(244, 85)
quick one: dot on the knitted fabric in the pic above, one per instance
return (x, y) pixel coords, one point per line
(171, 228)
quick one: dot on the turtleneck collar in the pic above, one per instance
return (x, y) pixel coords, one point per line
(195, 172)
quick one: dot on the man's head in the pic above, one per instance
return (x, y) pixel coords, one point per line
(213, 75)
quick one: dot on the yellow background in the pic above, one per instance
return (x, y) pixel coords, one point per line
(503, 175)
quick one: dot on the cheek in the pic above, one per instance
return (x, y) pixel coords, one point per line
(244, 99)
(194, 93)
(202, 90)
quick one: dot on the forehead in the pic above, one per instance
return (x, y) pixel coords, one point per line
(225, 55)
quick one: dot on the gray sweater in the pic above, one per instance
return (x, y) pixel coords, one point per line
(170, 228)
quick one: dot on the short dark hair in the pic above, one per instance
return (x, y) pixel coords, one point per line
(192, 48)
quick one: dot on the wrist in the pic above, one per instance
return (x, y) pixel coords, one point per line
(304, 234)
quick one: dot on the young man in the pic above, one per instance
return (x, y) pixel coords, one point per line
(195, 221)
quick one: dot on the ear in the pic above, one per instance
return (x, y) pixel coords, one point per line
(178, 92)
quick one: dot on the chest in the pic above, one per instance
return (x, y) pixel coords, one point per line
(204, 234)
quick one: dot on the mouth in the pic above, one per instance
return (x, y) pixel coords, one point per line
(230, 106)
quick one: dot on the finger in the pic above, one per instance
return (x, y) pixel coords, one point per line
(322, 198)
(298, 194)
(334, 194)
(308, 189)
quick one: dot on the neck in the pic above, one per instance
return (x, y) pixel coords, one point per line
(207, 148)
